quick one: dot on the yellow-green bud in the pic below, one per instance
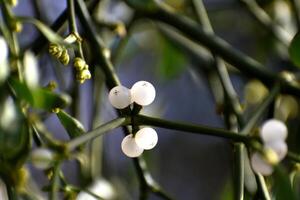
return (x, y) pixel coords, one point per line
(79, 64)
(83, 75)
(86, 74)
(55, 50)
(52, 85)
(64, 58)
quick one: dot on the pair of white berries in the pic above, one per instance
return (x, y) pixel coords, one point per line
(273, 133)
(142, 93)
(134, 145)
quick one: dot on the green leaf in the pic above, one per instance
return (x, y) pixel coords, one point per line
(294, 50)
(282, 186)
(45, 30)
(39, 97)
(72, 125)
(172, 61)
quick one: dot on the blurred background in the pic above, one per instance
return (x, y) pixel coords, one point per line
(187, 166)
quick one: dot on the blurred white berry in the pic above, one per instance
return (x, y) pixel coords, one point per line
(8, 115)
(259, 165)
(146, 138)
(119, 97)
(4, 50)
(272, 130)
(3, 191)
(279, 146)
(42, 158)
(100, 187)
(130, 148)
(31, 73)
(143, 93)
(4, 69)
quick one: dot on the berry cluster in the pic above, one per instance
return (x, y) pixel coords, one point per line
(141, 93)
(273, 133)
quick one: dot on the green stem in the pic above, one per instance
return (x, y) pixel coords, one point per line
(71, 16)
(231, 98)
(296, 10)
(147, 182)
(293, 156)
(55, 182)
(72, 144)
(14, 44)
(112, 79)
(98, 45)
(239, 171)
(244, 63)
(261, 110)
(263, 18)
(191, 128)
(263, 187)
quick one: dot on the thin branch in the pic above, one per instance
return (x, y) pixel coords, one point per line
(191, 128)
(231, 98)
(264, 19)
(294, 157)
(296, 10)
(96, 132)
(244, 63)
(53, 195)
(146, 180)
(103, 61)
(263, 189)
(260, 110)
(71, 16)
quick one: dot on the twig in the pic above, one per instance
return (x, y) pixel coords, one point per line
(262, 187)
(260, 110)
(244, 63)
(53, 195)
(263, 18)
(231, 98)
(147, 181)
(96, 132)
(99, 48)
(296, 10)
(191, 128)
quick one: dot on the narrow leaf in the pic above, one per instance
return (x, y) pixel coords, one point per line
(72, 125)
(45, 30)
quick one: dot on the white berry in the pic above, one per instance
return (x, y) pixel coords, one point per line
(279, 146)
(146, 138)
(259, 165)
(120, 97)
(143, 93)
(130, 148)
(31, 71)
(3, 49)
(273, 129)
(42, 158)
